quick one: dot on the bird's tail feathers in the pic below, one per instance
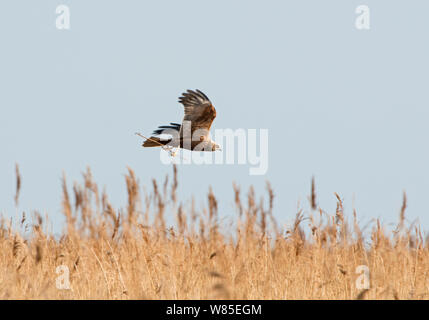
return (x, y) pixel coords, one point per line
(155, 142)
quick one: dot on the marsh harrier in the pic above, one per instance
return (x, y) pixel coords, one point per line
(194, 132)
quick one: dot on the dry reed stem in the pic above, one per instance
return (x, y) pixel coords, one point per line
(171, 250)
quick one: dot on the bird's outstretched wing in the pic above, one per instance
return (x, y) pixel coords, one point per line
(198, 110)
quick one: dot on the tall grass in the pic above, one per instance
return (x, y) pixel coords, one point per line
(133, 253)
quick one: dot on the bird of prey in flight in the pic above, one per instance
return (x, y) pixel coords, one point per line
(194, 132)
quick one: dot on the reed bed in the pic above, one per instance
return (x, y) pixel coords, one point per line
(134, 253)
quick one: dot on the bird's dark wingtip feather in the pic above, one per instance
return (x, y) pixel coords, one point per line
(193, 97)
(202, 93)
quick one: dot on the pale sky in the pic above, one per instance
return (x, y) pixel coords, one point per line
(345, 105)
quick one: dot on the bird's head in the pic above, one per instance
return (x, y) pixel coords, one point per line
(216, 147)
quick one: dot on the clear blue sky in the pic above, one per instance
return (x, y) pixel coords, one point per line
(347, 106)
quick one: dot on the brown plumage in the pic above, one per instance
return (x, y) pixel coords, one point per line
(154, 142)
(194, 132)
(198, 109)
